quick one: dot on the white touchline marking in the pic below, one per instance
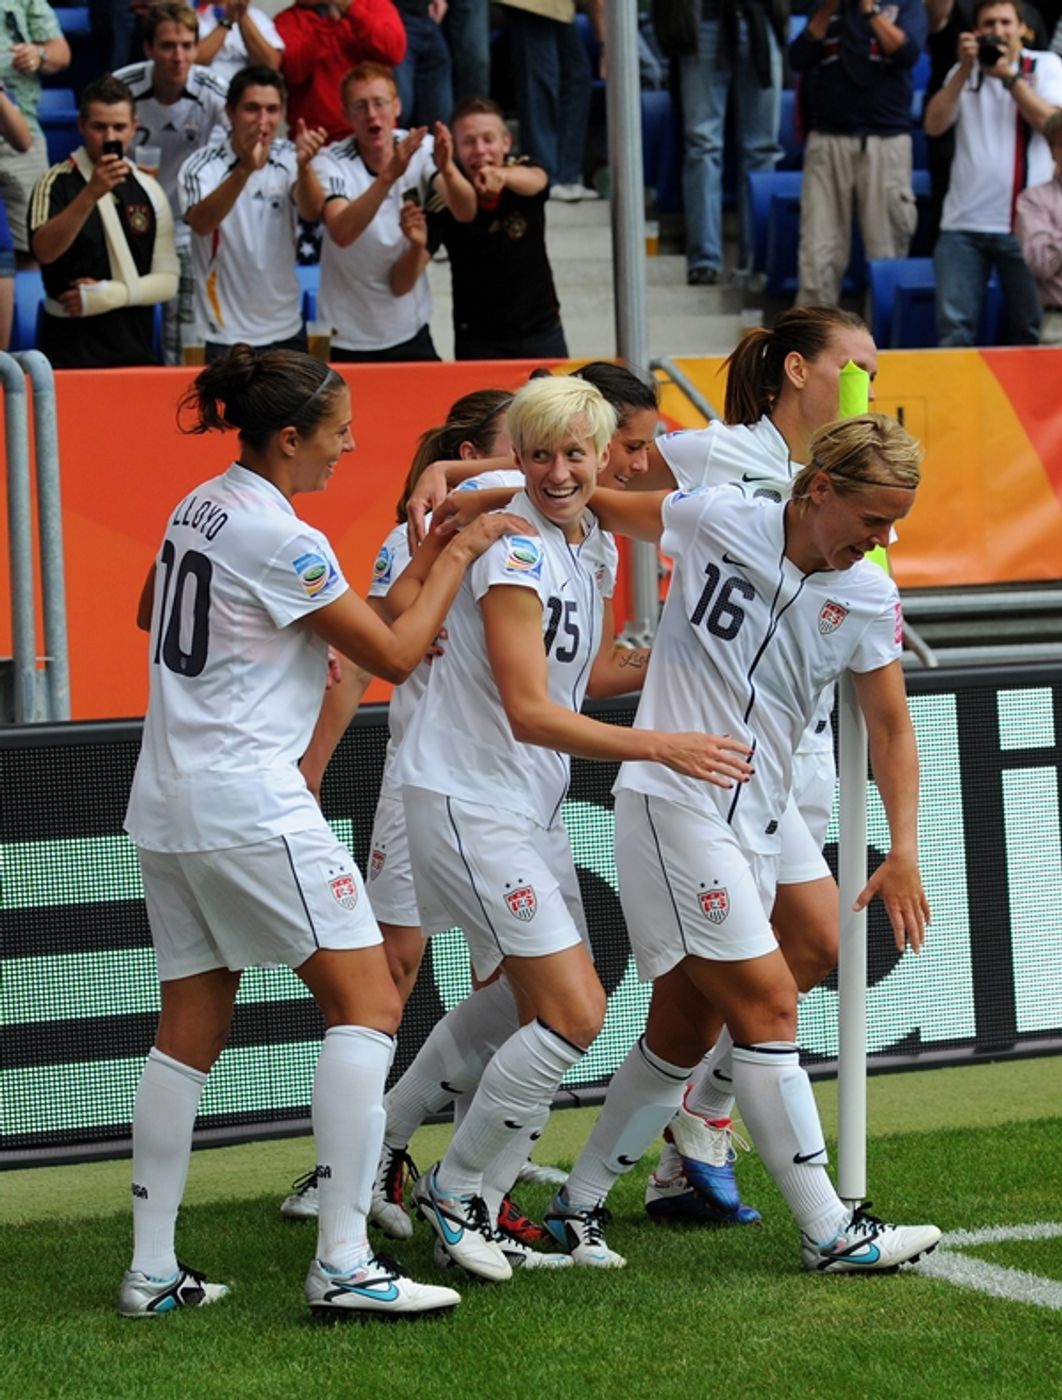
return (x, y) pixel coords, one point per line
(1013, 1284)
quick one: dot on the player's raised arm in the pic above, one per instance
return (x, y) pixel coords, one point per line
(637, 515)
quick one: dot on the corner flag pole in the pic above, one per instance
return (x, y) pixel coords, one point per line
(851, 877)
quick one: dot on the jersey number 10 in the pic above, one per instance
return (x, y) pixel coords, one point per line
(194, 571)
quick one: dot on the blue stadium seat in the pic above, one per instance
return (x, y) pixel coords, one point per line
(774, 198)
(919, 153)
(73, 19)
(762, 184)
(921, 71)
(886, 277)
(788, 139)
(29, 296)
(57, 104)
(310, 282)
(796, 25)
(662, 150)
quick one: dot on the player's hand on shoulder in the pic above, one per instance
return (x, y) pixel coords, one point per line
(428, 493)
(899, 883)
(481, 534)
(714, 758)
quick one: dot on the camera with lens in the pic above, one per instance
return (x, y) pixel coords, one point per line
(990, 50)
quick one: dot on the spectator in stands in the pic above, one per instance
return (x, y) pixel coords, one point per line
(855, 57)
(15, 130)
(504, 301)
(322, 43)
(1038, 225)
(234, 35)
(178, 106)
(103, 233)
(997, 97)
(239, 198)
(374, 293)
(467, 30)
(551, 73)
(425, 75)
(738, 56)
(34, 48)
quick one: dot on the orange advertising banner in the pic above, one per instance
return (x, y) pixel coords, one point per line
(989, 511)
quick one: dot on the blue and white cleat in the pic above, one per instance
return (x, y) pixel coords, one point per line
(464, 1228)
(708, 1148)
(673, 1199)
(580, 1230)
(378, 1289)
(868, 1245)
(143, 1296)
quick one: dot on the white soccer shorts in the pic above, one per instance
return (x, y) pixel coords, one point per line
(508, 884)
(277, 901)
(687, 888)
(389, 880)
(801, 858)
(814, 785)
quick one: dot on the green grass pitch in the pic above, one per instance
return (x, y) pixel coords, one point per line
(695, 1313)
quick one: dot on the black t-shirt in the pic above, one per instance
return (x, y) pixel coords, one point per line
(122, 337)
(502, 281)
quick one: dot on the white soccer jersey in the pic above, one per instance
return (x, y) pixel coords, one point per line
(997, 153)
(235, 688)
(356, 299)
(232, 56)
(459, 741)
(390, 562)
(245, 282)
(178, 128)
(754, 457)
(746, 645)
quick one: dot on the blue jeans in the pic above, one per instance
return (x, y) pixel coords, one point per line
(551, 73)
(962, 261)
(467, 29)
(423, 77)
(706, 86)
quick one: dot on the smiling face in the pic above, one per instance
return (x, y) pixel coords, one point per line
(481, 139)
(561, 479)
(373, 110)
(843, 526)
(259, 110)
(628, 456)
(172, 51)
(315, 456)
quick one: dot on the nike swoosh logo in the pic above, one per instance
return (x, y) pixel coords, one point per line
(746, 477)
(800, 1158)
(382, 1295)
(627, 1161)
(728, 559)
(512, 1123)
(449, 1088)
(450, 1235)
(865, 1254)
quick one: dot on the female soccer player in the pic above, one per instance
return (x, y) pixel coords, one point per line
(239, 866)
(484, 772)
(769, 603)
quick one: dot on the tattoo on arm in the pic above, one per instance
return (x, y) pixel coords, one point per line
(636, 658)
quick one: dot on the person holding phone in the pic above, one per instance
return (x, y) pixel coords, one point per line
(105, 262)
(377, 187)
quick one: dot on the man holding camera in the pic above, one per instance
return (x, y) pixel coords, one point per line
(997, 97)
(102, 232)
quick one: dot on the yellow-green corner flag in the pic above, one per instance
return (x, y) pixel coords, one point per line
(854, 399)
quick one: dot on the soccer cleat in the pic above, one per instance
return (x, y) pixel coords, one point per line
(580, 1230)
(378, 1289)
(674, 1199)
(388, 1212)
(143, 1296)
(707, 1149)
(541, 1176)
(868, 1245)
(514, 1224)
(464, 1229)
(302, 1203)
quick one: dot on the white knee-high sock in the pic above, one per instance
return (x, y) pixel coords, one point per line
(778, 1108)
(348, 1125)
(641, 1100)
(712, 1094)
(451, 1060)
(517, 1085)
(500, 1173)
(163, 1118)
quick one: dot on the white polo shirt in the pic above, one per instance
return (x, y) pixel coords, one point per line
(997, 153)
(356, 299)
(245, 282)
(746, 646)
(459, 740)
(233, 55)
(236, 686)
(177, 128)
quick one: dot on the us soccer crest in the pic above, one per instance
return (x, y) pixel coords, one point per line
(715, 904)
(831, 616)
(344, 890)
(522, 902)
(376, 862)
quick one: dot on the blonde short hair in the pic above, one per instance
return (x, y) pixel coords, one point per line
(868, 450)
(546, 411)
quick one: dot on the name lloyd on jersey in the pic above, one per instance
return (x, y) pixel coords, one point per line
(206, 517)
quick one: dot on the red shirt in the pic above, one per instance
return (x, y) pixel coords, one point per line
(319, 50)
